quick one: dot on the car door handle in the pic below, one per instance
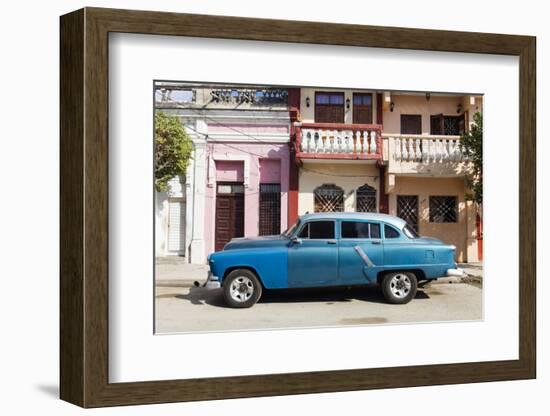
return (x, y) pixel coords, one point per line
(331, 241)
(376, 242)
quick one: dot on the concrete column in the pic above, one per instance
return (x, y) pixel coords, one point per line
(196, 199)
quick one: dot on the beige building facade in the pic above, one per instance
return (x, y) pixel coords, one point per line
(391, 152)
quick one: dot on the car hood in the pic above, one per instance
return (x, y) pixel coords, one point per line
(256, 242)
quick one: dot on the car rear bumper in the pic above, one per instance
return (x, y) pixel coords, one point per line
(212, 282)
(455, 273)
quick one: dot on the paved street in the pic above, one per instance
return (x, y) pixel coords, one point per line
(180, 308)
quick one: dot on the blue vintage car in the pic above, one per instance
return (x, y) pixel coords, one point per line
(331, 249)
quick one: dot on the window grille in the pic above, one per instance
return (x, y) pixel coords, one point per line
(407, 209)
(329, 198)
(366, 199)
(270, 209)
(443, 209)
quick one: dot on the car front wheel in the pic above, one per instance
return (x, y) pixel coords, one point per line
(399, 287)
(241, 289)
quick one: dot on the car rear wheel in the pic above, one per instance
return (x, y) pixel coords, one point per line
(399, 287)
(241, 288)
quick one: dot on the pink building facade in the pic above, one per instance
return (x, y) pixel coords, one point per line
(239, 176)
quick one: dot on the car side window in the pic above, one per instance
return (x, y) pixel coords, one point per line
(318, 230)
(375, 231)
(390, 232)
(355, 229)
(360, 229)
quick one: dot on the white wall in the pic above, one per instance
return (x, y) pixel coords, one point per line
(29, 309)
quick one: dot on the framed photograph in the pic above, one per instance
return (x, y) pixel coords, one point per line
(255, 207)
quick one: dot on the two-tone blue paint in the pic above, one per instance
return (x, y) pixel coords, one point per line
(281, 263)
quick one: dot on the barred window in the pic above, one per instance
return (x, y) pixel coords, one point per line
(270, 209)
(443, 209)
(407, 208)
(329, 198)
(366, 199)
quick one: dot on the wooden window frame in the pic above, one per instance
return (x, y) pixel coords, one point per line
(315, 105)
(354, 114)
(402, 116)
(460, 117)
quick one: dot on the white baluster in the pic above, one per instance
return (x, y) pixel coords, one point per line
(397, 149)
(451, 148)
(349, 145)
(345, 141)
(446, 152)
(404, 149)
(440, 151)
(458, 152)
(317, 139)
(418, 150)
(425, 150)
(373, 140)
(412, 153)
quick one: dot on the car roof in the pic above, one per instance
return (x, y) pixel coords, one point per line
(372, 216)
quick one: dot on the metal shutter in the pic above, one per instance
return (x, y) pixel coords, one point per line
(176, 225)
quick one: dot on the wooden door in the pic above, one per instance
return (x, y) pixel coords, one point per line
(229, 213)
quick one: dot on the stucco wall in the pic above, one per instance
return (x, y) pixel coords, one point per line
(413, 104)
(349, 176)
(462, 233)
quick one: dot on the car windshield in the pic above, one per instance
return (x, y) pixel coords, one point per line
(291, 230)
(409, 232)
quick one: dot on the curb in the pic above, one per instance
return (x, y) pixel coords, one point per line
(175, 283)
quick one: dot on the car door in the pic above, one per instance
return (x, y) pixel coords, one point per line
(360, 252)
(313, 256)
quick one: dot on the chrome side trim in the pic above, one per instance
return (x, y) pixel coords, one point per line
(364, 256)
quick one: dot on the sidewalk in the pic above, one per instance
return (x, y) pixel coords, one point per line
(474, 272)
(472, 269)
(175, 271)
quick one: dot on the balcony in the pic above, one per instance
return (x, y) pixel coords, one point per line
(421, 154)
(338, 141)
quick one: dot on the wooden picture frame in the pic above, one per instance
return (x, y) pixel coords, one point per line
(84, 207)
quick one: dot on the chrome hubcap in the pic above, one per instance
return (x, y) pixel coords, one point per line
(400, 285)
(241, 289)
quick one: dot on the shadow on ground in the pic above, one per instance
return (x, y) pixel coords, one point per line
(51, 390)
(202, 296)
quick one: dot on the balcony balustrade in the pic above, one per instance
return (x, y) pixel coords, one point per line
(338, 141)
(426, 149)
